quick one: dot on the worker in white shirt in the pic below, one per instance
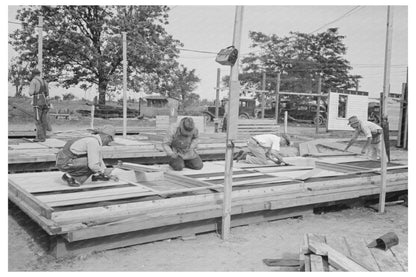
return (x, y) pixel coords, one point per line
(371, 131)
(81, 157)
(264, 149)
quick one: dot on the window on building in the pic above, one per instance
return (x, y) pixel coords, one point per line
(342, 106)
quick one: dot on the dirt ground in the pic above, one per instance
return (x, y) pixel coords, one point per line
(244, 251)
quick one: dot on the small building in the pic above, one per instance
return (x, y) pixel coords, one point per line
(153, 105)
(343, 104)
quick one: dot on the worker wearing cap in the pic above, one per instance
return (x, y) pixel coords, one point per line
(81, 157)
(371, 131)
(39, 90)
(264, 149)
(181, 143)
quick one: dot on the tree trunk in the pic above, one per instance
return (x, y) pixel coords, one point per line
(102, 89)
(19, 90)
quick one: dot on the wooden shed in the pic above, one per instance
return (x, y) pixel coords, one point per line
(343, 104)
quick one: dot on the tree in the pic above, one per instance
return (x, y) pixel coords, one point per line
(19, 75)
(301, 58)
(83, 44)
(183, 82)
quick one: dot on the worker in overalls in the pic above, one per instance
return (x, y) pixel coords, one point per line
(264, 149)
(39, 90)
(181, 143)
(81, 157)
(371, 131)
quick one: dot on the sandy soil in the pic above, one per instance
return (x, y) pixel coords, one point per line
(244, 251)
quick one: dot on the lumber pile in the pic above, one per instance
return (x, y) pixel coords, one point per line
(249, 127)
(330, 253)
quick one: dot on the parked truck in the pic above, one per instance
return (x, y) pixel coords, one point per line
(246, 109)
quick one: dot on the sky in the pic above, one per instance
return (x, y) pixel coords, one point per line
(210, 28)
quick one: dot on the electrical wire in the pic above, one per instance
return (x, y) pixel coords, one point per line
(349, 12)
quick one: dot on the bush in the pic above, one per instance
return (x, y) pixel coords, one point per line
(68, 96)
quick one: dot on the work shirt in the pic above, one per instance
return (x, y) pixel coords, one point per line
(92, 147)
(268, 141)
(35, 85)
(185, 146)
(367, 128)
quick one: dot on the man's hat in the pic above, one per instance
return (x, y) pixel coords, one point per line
(106, 130)
(352, 120)
(35, 71)
(186, 126)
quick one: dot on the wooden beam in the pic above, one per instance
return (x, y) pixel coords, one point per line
(232, 119)
(335, 258)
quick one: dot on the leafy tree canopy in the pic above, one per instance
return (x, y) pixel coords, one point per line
(82, 45)
(300, 57)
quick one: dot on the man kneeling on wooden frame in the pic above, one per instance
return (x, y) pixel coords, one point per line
(181, 143)
(81, 157)
(264, 149)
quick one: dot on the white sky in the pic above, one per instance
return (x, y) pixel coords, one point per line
(210, 28)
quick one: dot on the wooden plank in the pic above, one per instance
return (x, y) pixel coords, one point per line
(360, 252)
(305, 250)
(318, 263)
(336, 258)
(385, 260)
(65, 199)
(48, 225)
(37, 205)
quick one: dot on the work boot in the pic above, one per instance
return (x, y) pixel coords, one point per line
(70, 181)
(38, 140)
(99, 177)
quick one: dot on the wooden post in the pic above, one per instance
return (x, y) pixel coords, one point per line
(217, 100)
(285, 122)
(40, 45)
(277, 96)
(318, 104)
(92, 115)
(124, 84)
(263, 88)
(386, 88)
(232, 120)
(382, 199)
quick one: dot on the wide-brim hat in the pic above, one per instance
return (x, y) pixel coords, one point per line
(187, 126)
(352, 120)
(106, 130)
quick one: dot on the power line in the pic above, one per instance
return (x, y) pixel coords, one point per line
(349, 12)
(197, 51)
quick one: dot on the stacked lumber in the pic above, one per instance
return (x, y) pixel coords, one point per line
(249, 127)
(329, 253)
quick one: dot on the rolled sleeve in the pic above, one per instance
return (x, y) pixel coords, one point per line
(95, 161)
(32, 87)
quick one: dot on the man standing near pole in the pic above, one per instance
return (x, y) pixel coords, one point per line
(39, 90)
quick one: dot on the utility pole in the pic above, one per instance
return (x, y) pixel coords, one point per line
(217, 100)
(277, 96)
(232, 120)
(263, 89)
(318, 104)
(124, 84)
(384, 120)
(40, 45)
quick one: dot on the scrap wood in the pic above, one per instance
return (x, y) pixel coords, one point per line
(335, 258)
(282, 262)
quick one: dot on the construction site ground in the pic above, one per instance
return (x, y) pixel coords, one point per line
(243, 251)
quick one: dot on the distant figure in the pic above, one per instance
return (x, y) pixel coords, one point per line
(371, 131)
(39, 90)
(264, 150)
(81, 157)
(181, 143)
